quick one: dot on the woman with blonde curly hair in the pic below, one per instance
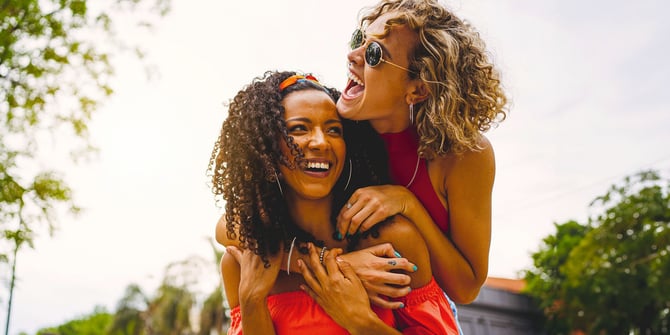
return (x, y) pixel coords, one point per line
(424, 80)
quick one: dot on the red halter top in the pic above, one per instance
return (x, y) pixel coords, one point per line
(403, 156)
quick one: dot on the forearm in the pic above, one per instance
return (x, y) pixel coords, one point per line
(451, 268)
(256, 318)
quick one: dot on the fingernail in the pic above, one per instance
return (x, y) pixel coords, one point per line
(410, 289)
(402, 305)
(339, 259)
(339, 236)
(397, 254)
(415, 268)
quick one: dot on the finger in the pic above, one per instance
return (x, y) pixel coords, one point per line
(357, 219)
(311, 293)
(331, 264)
(314, 264)
(400, 264)
(383, 250)
(348, 272)
(374, 218)
(235, 252)
(383, 303)
(389, 291)
(308, 276)
(343, 218)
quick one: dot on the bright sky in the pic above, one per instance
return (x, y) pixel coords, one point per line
(589, 106)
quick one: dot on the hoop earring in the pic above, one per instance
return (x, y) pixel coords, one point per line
(349, 178)
(411, 113)
(278, 183)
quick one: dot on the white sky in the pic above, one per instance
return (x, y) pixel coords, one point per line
(590, 105)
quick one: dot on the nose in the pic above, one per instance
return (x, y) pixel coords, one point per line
(318, 140)
(356, 56)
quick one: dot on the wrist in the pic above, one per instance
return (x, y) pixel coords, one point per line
(363, 323)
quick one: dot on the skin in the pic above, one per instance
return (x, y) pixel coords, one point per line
(463, 182)
(314, 124)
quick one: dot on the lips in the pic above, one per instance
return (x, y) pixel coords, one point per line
(318, 166)
(355, 87)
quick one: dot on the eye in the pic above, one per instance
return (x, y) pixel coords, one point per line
(335, 130)
(297, 129)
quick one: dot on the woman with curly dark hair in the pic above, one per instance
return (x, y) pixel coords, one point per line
(424, 79)
(284, 163)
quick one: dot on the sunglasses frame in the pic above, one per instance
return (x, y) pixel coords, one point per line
(358, 40)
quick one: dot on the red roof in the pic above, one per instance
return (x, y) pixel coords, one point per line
(505, 284)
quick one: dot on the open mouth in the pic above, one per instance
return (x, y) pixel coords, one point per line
(317, 166)
(355, 86)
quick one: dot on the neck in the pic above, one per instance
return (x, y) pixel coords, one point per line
(312, 215)
(394, 123)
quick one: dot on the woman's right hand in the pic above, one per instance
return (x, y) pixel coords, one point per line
(252, 267)
(382, 271)
(371, 205)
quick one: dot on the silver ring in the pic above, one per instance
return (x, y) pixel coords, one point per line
(348, 205)
(323, 251)
(392, 263)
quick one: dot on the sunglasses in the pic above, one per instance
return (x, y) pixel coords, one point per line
(373, 52)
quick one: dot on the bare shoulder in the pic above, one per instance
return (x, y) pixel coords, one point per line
(467, 166)
(221, 233)
(407, 240)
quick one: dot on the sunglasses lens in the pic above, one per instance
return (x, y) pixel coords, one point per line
(373, 54)
(356, 39)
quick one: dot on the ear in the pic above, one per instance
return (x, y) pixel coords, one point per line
(417, 91)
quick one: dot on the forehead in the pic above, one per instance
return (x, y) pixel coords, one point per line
(378, 27)
(311, 104)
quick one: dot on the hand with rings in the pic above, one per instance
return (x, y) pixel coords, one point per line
(371, 205)
(383, 272)
(333, 285)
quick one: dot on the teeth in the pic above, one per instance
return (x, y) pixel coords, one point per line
(355, 79)
(317, 165)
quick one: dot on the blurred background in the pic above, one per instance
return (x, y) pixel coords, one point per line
(588, 106)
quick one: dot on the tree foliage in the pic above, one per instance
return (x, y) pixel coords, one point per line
(95, 323)
(611, 274)
(55, 70)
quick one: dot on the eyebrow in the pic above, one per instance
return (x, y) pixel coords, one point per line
(385, 51)
(308, 120)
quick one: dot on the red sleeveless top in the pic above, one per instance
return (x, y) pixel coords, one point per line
(403, 156)
(426, 311)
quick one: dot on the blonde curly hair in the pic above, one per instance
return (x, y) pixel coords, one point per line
(466, 97)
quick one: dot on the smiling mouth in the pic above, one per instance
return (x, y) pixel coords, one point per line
(355, 86)
(318, 166)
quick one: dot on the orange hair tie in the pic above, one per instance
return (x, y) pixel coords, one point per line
(296, 78)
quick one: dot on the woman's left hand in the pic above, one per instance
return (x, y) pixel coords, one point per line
(334, 286)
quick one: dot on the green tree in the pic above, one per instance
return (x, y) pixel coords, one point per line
(612, 275)
(95, 323)
(131, 313)
(213, 315)
(54, 73)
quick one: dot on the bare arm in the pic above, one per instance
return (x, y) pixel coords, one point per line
(460, 260)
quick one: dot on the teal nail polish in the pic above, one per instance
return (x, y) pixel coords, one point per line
(339, 236)
(397, 254)
(402, 305)
(415, 268)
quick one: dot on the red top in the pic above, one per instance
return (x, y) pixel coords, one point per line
(426, 311)
(402, 150)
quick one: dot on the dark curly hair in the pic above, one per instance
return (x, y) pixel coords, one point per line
(247, 155)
